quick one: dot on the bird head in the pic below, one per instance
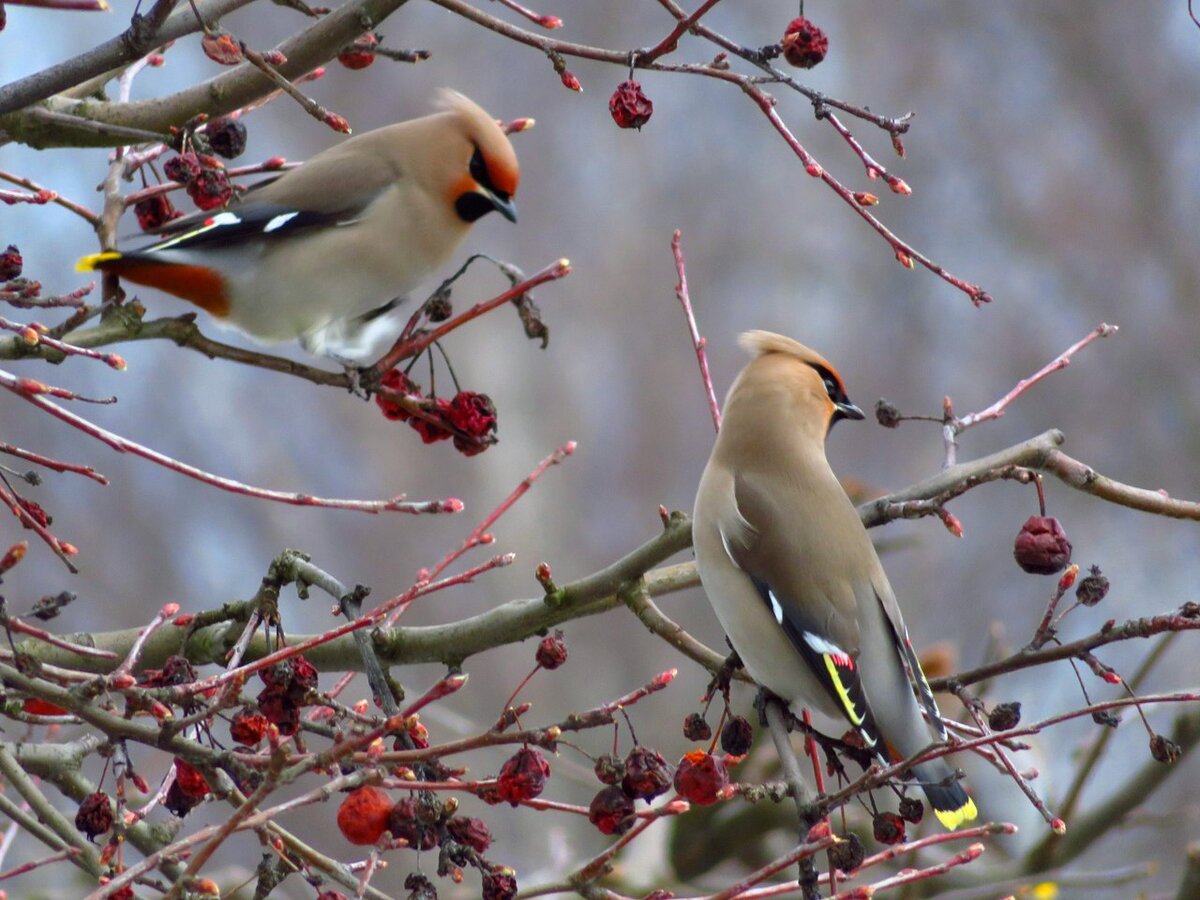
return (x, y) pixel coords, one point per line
(485, 173)
(794, 382)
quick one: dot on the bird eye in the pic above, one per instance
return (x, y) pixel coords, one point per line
(478, 168)
(830, 385)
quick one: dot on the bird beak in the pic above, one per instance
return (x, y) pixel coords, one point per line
(503, 205)
(849, 410)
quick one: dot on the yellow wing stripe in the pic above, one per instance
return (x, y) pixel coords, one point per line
(843, 694)
(952, 818)
(93, 262)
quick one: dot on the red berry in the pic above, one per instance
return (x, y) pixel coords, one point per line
(523, 776)
(629, 106)
(433, 431)
(363, 815)
(1042, 547)
(35, 512)
(699, 777)
(210, 189)
(611, 811)
(95, 815)
(888, 828)
(154, 212)
(552, 651)
(804, 44)
(472, 832)
(280, 709)
(397, 381)
(404, 822)
(182, 168)
(248, 727)
(474, 414)
(36, 707)
(221, 48)
(358, 55)
(499, 883)
(11, 263)
(646, 774)
(189, 779)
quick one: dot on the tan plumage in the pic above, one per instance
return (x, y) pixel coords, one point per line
(792, 574)
(311, 252)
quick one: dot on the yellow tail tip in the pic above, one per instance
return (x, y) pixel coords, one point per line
(952, 818)
(94, 261)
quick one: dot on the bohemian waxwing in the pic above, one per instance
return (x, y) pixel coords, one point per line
(319, 251)
(793, 576)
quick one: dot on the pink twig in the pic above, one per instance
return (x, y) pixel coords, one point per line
(164, 615)
(1045, 631)
(124, 445)
(61, 549)
(408, 347)
(38, 863)
(700, 343)
(873, 167)
(547, 22)
(81, 211)
(274, 164)
(54, 464)
(46, 637)
(32, 336)
(27, 297)
(804, 851)
(41, 198)
(451, 684)
(671, 41)
(908, 876)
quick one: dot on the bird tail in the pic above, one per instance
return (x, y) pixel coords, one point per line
(198, 284)
(96, 261)
(951, 804)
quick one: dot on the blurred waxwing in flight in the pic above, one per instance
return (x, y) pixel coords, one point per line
(793, 576)
(318, 252)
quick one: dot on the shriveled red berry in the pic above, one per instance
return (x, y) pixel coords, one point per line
(475, 415)
(432, 431)
(95, 815)
(363, 816)
(912, 810)
(358, 55)
(737, 736)
(37, 707)
(699, 777)
(154, 212)
(304, 674)
(646, 774)
(397, 381)
(248, 727)
(11, 263)
(178, 801)
(1042, 547)
(221, 48)
(848, 854)
(609, 768)
(403, 822)
(1005, 716)
(629, 106)
(1093, 588)
(551, 651)
(695, 728)
(419, 887)
(210, 189)
(523, 776)
(227, 137)
(888, 828)
(183, 168)
(331, 895)
(35, 512)
(499, 883)
(611, 811)
(189, 779)
(804, 44)
(472, 832)
(280, 709)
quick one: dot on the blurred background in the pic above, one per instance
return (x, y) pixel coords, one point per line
(1054, 159)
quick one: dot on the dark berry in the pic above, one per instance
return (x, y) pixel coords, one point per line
(611, 811)
(888, 828)
(700, 777)
(912, 810)
(1093, 588)
(95, 815)
(609, 769)
(523, 776)
(695, 728)
(848, 854)
(646, 774)
(804, 44)
(1042, 547)
(227, 137)
(1004, 716)
(629, 106)
(552, 651)
(737, 736)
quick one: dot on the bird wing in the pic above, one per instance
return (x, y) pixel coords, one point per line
(795, 568)
(333, 189)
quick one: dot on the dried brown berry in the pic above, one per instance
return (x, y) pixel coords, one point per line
(438, 307)
(1005, 716)
(179, 802)
(629, 106)
(886, 414)
(419, 887)
(499, 883)
(248, 727)
(523, 776)
(363, 816)
(912, 810)
(95, 816)
(472, 832)
(1042, 547)
(609, 769)
(700, 777)
(1093, 588)
(611, 811)
(11, 263)
(1163, 749)
(848, 854)
(737, 736)
(552, 651)
(227, 137)
(695, 728)
(280, 709)
(888, 828)
(183, 168)
(804, 44)
(1106, 718)
(646, 774)
(358, 55)
(405, 822)
(154, 212)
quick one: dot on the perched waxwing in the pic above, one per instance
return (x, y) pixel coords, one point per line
(793, 576)
(321, 250)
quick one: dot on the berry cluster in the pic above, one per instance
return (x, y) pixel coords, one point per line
(469, 418)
